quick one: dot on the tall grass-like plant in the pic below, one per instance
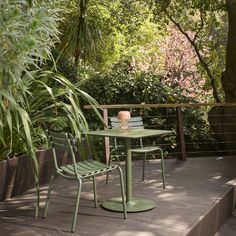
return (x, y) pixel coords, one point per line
(81, 29)
(26, 36)
(27, 33)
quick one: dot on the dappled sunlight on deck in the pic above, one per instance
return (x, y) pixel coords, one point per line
(193, 189)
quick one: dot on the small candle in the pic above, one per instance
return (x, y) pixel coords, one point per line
(124, 115)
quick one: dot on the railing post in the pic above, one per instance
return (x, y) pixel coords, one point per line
(180, 134)
(106, 139)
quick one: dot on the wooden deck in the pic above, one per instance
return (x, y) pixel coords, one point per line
(197, 201)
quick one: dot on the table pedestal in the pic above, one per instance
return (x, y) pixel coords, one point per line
(136, 205)
(132, 204)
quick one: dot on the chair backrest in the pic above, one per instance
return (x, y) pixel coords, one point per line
(134, 123)
(64, 142)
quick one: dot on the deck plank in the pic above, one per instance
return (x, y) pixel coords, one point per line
(193, 188)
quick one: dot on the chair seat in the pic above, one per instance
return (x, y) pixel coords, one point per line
(145, 149)
(88, 168)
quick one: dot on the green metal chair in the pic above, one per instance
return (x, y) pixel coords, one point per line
(77, 170)
(137, 123)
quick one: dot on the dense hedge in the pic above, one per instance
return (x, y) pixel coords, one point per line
(122, 88)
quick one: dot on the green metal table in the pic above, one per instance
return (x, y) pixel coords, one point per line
(133, 204)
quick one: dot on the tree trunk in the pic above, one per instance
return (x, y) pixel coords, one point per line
(229, 75)
(225, 117)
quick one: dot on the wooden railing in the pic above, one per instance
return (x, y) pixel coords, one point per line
(180, 134)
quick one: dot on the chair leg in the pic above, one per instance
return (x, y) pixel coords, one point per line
(107, 178)
(109, 162)
(144, 165)
(48, 196)
(95, 192)
(122, 192)
(76, 206)
(163, 169)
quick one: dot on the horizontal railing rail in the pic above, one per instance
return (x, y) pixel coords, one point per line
(181, 117)
(170, 105)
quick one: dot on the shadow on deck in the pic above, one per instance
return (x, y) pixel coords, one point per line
(197, 201)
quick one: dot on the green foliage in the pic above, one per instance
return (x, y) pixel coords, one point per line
(147, 88)
(26, 35)
(129, 34)
(81, 28)
(203, 25)
(28, 100)
(124, 88)
(62, 65)
(25, 40)
(99, 32)
(126, 34)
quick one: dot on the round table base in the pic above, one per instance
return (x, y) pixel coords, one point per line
(136, 205)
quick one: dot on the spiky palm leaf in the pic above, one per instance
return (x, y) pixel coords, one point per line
(81, 29)
(27, 100)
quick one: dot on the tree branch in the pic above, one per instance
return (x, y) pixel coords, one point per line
(200, 28)
(200, 57)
